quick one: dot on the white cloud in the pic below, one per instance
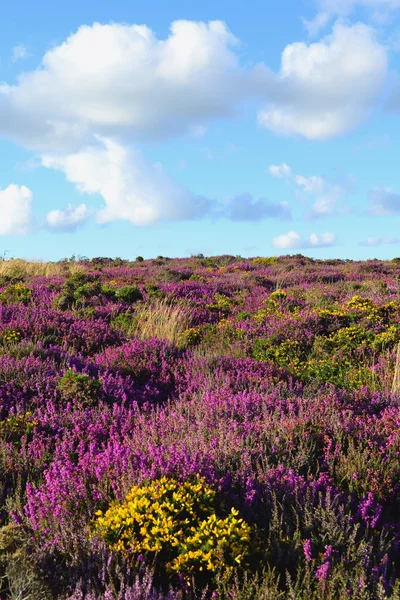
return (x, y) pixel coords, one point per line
(326, 88)
(293, 241)
(68, 219)
(142, 193)
(132, 189)
(327, 193)
(282, 170)
(315, 25)
(322, 240)
(121, 81)
(345, 7)
(19, 53)
(383, 201)
(15, 210)
(378, 241)
(287, 241)
(378, 10)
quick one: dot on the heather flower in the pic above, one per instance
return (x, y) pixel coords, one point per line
(307, 548)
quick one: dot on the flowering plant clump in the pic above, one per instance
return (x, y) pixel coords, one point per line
(17, 293)
(178, 521)
(15, 426)
(78, 386)
(191, 336)
(12, 336)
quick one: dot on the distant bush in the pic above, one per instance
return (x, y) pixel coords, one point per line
(16, 294)
(265, 261)
(153, 291)
(129, 293)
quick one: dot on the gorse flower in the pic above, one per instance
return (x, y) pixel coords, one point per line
(178, 522)
(12, 336)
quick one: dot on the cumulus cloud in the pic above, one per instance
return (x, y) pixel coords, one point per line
(327, 194)
(294, 241)
(132, 189)
(246, 208)
(378, 10)
(122, 81)
(383, 201)
(142, 193)
(326, 88)
(15, 210)
(378, 241)
(68, 219)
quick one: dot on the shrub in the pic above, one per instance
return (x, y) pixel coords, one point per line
(17, 293)
(123, 321)
(265, 261)
(13, 428)
(12, 336)
(129, 293)
(191, 336)
(153, 291)
(19, 571)
(79, 387)
(176, 524)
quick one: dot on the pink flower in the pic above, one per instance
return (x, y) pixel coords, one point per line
(307, 548)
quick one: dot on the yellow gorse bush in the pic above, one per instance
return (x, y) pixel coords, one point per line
(12, 336)
(15, 426)
(178, 521)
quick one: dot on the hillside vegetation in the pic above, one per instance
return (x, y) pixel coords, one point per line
(185, 429)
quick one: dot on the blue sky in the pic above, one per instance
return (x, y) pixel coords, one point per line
(175, 128)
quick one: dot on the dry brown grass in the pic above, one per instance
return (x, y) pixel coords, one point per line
(396, 376)
(17, 266)
(162, 320)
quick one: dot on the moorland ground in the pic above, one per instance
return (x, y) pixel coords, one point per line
(200, 428)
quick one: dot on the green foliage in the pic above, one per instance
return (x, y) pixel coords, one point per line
(16, 294)
(20, 573)
(191, 336)
(77, 291)
(123, 321)
(243, 316)
(221, 304)
(153, 291)
(80, 291)
(80, 387)
(13, 428)
(129, 294)
(286, 353)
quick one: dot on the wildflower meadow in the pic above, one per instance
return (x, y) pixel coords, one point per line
(200, 428)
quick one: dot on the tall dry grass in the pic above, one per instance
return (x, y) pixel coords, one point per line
(162, 320)
(396, 376)
(17, 267)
